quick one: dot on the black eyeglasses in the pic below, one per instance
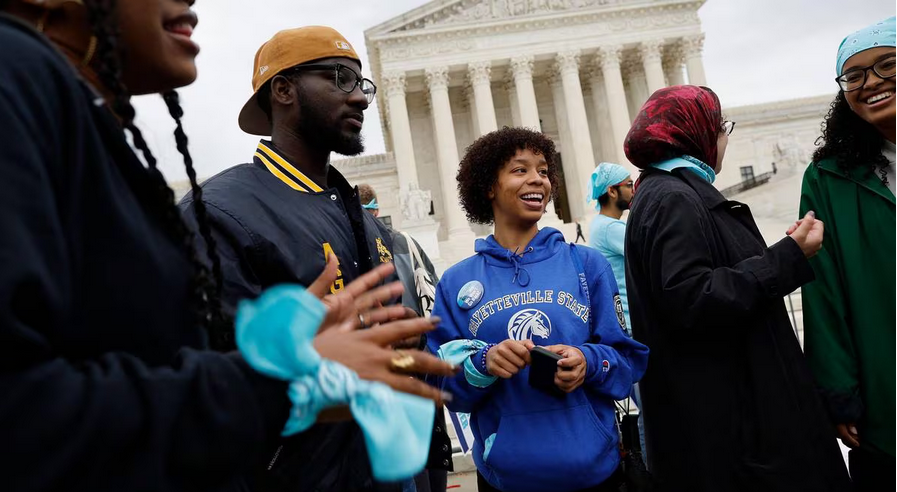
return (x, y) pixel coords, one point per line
(728, 127)
(856, 78)
(346, 78)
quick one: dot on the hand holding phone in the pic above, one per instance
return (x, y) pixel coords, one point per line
(571, 368)
(543, 371)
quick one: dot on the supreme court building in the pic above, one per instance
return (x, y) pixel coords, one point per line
(578, 70)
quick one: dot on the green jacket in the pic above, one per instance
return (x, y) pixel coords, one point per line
(849, 310)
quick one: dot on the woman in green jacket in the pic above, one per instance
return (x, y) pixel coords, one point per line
(849, 318)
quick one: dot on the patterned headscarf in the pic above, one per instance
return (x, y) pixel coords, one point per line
(675, 121)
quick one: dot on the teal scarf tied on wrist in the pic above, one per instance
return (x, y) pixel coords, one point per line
(274, 333)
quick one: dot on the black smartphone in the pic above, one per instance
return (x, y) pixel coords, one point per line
(542, 370)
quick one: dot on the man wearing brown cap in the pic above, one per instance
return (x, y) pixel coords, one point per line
(278, 218)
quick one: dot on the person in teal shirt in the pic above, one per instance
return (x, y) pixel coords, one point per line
(612, 190)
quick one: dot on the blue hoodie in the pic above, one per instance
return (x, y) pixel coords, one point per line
(527, 440)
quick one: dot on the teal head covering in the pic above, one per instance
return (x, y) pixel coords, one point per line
(604, 176)
(879, 34)
(372, 205)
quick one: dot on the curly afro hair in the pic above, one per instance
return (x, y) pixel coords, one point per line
(851, 140)
(483, 159)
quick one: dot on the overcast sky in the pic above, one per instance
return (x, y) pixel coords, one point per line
(755, 51)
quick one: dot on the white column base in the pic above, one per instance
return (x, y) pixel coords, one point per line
(457, 247)
(425, 232)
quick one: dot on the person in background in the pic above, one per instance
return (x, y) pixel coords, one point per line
(848, 311)
(526, 287)
(579, 233)
(368, 199)
(612, 191)
(279, 218)
(730, 403)
(106, 315)
(419, 278)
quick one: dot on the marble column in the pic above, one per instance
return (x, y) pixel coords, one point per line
(567, 64)
(479, 74)
(400, 130)
(609, 60)
(522, 72)
(692, 46)
(513, 100)
(472, 108)
(635, 85)
(555, 81)
(672, 64)
(606, 141)
(650, 52)
(446, 151)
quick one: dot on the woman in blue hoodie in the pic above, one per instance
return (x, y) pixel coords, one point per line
(526, 287)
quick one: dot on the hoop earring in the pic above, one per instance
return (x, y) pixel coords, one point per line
(91, 50)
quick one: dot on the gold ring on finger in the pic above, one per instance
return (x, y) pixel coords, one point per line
(402, 362)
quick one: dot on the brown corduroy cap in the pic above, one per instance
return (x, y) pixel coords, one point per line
(287, 49)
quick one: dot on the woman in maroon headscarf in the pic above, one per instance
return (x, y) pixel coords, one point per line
(729, 403)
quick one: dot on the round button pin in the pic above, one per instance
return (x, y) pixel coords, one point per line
(470, 294)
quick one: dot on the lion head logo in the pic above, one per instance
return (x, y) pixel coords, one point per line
(526, 324)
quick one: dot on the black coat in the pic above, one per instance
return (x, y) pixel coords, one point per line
(268, 233)
(104, 381)
(729, 403)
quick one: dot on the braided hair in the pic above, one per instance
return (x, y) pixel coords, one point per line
(205, 285)
(851, 140)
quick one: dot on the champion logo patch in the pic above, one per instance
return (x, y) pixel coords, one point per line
(605, 365)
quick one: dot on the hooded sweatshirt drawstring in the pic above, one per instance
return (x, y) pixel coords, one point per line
(540, 248)
(515, 259)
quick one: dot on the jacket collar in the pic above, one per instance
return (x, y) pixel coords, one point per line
(266, 155)
(708, 193)
(860, 176)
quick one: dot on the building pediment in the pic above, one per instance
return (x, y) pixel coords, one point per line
(462, 13)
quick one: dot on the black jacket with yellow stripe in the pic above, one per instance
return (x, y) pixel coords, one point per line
(273, 225)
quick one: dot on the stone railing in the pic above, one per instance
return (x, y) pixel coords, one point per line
(747, 184)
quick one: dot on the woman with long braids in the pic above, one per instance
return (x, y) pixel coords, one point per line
(106, 314)
(849, 313)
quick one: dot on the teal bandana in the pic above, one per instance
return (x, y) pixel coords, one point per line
(688, 162)
(879, 34)
(605, 176)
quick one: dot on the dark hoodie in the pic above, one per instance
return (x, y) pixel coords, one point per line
(527, 440)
